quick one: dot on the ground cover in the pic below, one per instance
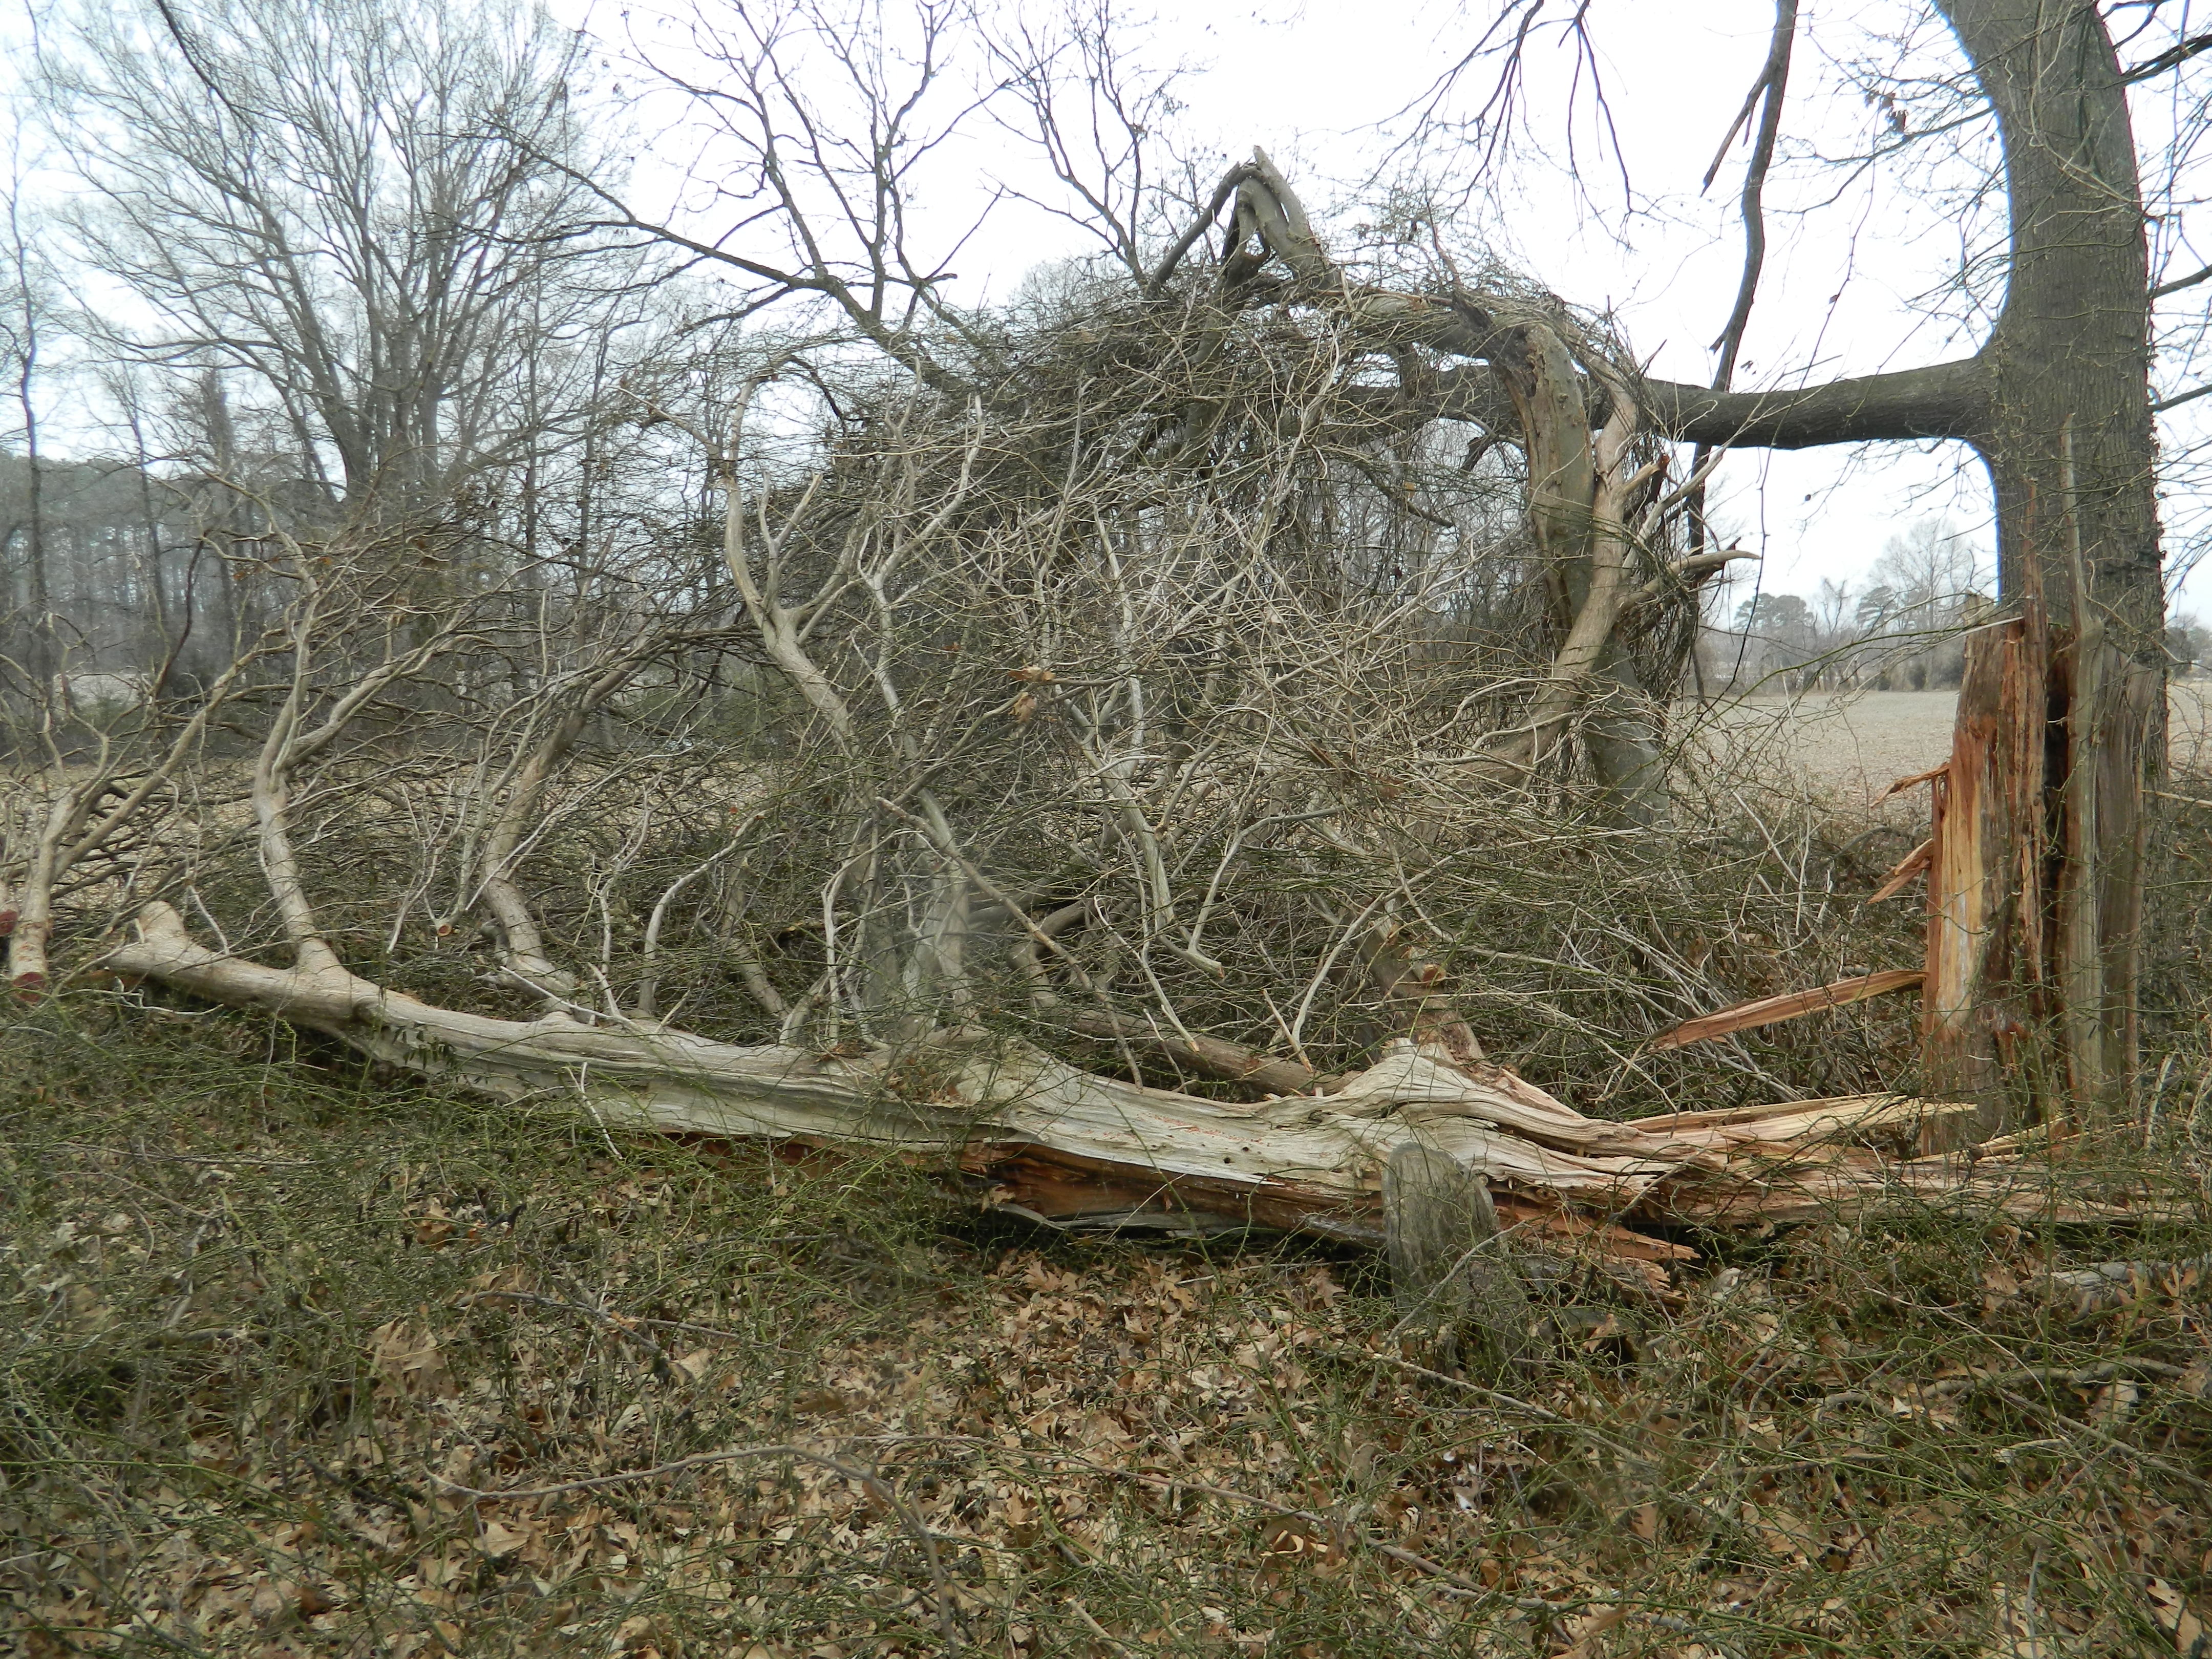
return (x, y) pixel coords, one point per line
(301, 1360)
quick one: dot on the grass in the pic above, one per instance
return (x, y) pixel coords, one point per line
(265, 1316)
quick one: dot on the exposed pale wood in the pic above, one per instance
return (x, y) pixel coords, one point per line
(1912, 864)
(2034, 884)
(1043, 1135)
(1985, 875)
(1205, 1055)
(1770, 1011)
(1578, 502)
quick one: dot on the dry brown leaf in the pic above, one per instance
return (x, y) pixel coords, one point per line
(2173, 1615)
(1586, 1631)
(2016, 1626)
(411, 1360)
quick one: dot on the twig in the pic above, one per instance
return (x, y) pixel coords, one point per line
(663, 1370)
(1082, 1614)
(2092, 1431)
(1550, 1419)
(624, 1320)
(1954, 1387)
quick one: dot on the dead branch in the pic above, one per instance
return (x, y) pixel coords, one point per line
(1768, 1011)
(1064, 1143)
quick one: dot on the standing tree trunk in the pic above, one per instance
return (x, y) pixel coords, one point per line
(44, 657)
(2036, 890)
(2048, 992)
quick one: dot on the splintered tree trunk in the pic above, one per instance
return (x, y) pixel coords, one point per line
(2037, 899)
(2034, 892)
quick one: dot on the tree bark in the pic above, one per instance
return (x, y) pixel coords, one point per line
(1943, 400)
(2068, 436)
(1576, 507)
(1453, 1281)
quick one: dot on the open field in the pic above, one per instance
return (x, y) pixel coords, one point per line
(1857, 745)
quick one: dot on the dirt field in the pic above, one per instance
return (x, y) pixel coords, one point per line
(1857, 745)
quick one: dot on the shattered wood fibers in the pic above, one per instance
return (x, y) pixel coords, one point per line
(266, 1341)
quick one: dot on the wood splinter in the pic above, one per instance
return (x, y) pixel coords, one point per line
(1770, 1011)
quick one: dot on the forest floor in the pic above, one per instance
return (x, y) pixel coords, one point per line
(297, 1360)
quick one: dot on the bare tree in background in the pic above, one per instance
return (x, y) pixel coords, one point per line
(25, 327)
(360, 216)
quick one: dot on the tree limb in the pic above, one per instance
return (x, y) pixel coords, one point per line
(2173, 58)
(1942, 400)
(1773, 80)
(1230, 182)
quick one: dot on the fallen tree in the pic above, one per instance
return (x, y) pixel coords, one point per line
(1053, 755)
(1070, 1146)
(1096, 726)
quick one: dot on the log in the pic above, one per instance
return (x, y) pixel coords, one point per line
(1037, 1134)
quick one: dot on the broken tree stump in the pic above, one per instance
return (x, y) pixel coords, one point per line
(1450, 1274)
(2034, 880)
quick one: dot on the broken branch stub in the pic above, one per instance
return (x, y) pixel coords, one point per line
(1771, 1011)
(1455, 1286)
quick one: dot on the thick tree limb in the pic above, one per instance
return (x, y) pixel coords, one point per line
(1687, 576)
(1943, 400)
(523, 952)
(1064, 1143)
(1207, 1056)
(1183, 244)
(2180, 282)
